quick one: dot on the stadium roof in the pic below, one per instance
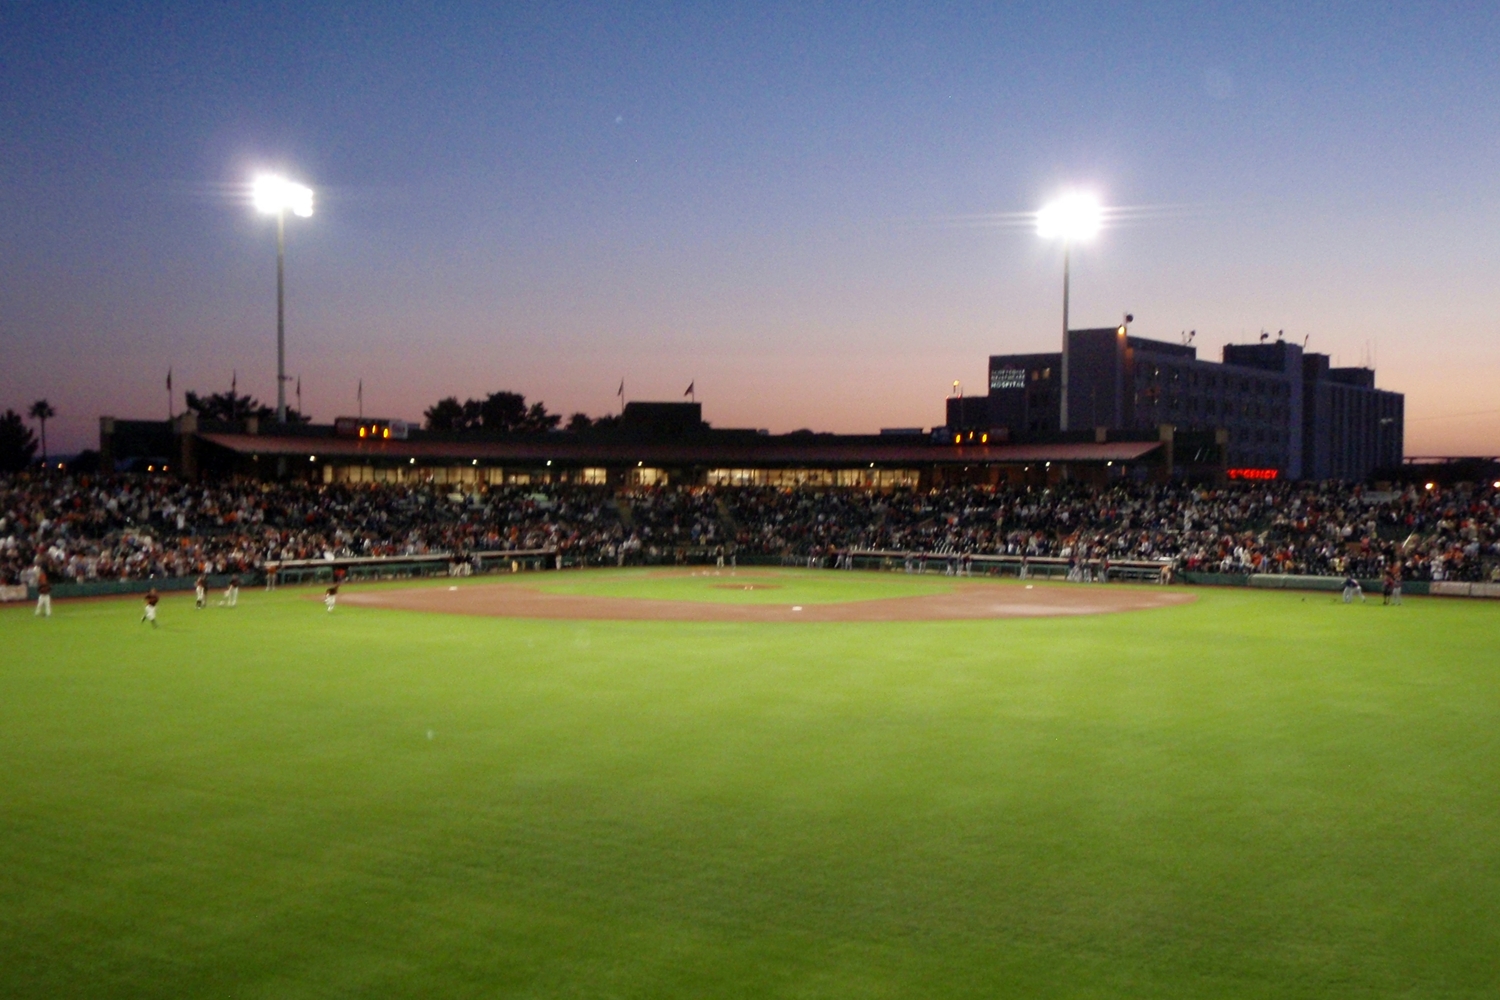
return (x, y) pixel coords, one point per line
(765, 451)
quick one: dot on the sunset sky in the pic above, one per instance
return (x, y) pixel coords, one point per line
(815, 212)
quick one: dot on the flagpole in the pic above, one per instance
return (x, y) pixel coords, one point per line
(170, 414)
(360, 396)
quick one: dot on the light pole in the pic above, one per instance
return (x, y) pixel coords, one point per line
(274, 196)
(1071, 218)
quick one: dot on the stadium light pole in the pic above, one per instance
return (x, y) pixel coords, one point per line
(1072, 218)
(275, 196)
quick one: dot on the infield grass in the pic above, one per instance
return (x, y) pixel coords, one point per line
(1256, 795)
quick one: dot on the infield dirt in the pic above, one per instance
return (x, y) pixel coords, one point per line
(966, 600)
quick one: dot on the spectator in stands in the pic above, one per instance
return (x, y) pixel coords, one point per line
(128, 527)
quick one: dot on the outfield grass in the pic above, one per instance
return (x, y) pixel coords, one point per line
(1254, 795)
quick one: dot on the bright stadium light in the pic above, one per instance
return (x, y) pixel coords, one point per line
(1072, 218)
(276, 196)
(273, 195)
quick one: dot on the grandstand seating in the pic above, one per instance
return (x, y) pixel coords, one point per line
(134, 527)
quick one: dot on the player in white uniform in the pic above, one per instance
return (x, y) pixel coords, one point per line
(152, 597)
(43, 595)
(200, 592)
(232, 592)
(330, 596)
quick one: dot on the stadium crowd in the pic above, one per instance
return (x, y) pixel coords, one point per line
(134, 527)
(141, 527)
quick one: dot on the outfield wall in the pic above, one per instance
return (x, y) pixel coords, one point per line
(305, 571)
(321, 571)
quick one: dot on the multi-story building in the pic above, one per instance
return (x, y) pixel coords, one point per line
(1268, 406)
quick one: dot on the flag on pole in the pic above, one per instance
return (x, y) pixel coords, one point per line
(621, 394)
(169, 380)
(299, 395)
(234, 382)
(169, 394)
(690, 388)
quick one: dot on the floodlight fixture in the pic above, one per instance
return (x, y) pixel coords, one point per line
(1072, 218)
(277, 196)
(273, 195)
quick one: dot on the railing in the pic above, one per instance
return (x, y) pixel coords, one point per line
(66, 589)
(1093, 570)
(416, 565)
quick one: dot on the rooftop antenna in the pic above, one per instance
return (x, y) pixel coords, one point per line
(1191, 335)
(1264, 336)
(1305, 339)
(1280, 336)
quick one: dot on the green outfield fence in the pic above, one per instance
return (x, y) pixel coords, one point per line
(302, 571)
(1021, 567)
(1294, 581)
(114, 588)
(295, 571)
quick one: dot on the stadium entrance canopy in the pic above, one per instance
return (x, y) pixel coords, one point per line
(717, 459)
(385, 451)
(775, 461)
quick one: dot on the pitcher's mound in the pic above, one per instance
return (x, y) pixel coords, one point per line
(967, 600)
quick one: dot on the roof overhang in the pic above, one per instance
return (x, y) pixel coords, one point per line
(773, 452)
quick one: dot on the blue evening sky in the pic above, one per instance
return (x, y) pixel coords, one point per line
(813, 211)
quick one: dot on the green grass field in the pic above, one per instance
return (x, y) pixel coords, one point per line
(1257, 795)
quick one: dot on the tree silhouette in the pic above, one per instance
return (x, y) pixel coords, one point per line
(42, 412)
(505, 412)
(538, 419)
(231, 408)
(445, 415)
(17, 443)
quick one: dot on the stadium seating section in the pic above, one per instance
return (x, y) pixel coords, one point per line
(131, 528)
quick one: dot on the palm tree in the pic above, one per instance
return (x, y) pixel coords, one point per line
(42, 411)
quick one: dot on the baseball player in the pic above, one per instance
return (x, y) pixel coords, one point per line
(331, 596)
(232, 592)
(152, 597)
(200, 592)
(43, 595)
